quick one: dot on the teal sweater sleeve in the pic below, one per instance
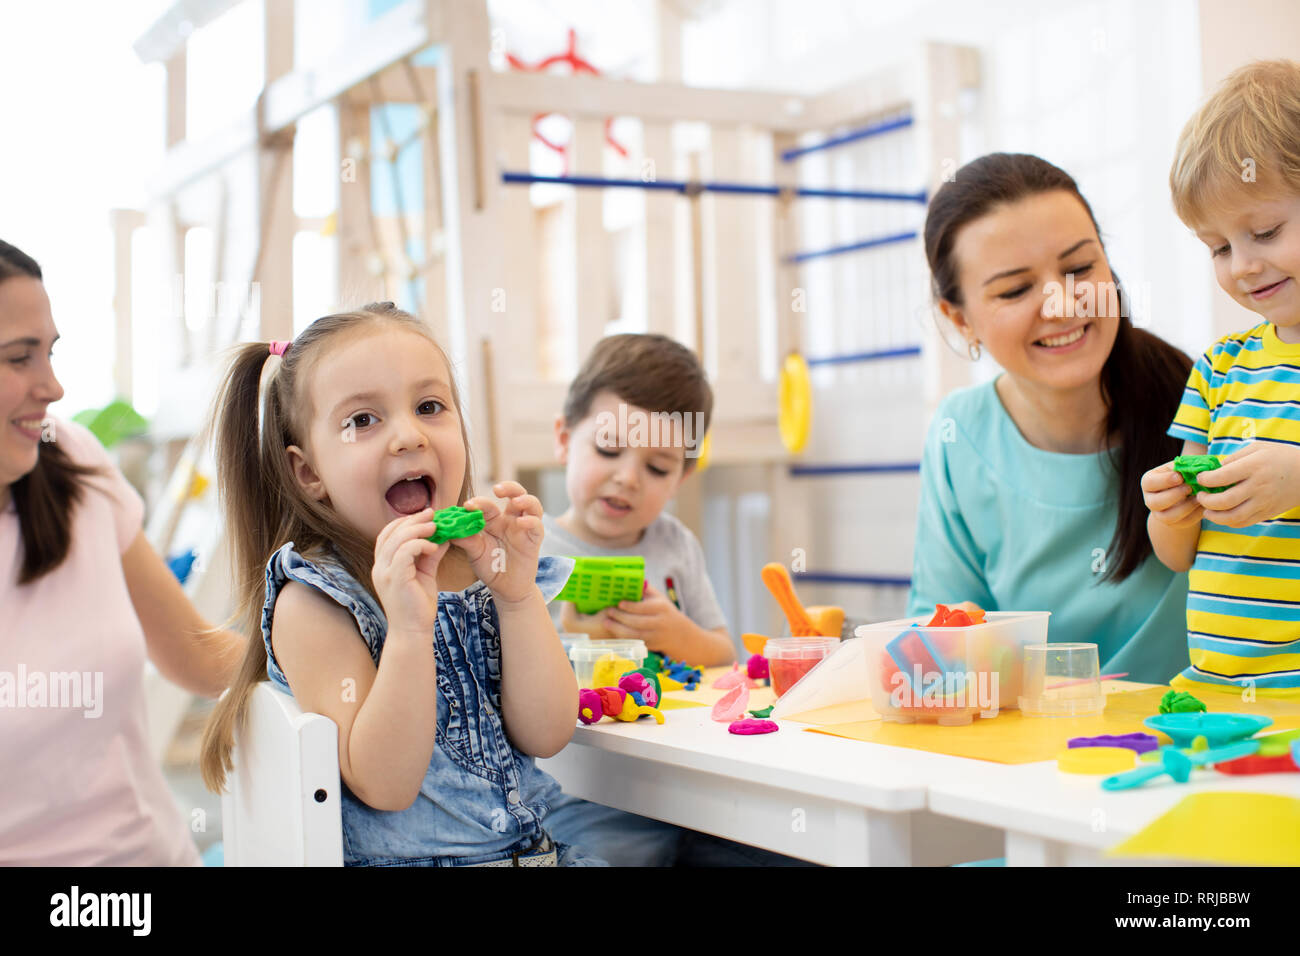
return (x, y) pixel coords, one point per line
(947, 566)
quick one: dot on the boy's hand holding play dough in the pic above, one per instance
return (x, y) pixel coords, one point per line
(1265, 480)
(1168, 497)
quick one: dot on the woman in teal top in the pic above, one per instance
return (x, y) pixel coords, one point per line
(1030, 484)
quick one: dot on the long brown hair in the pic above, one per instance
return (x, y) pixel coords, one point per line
(1143, 378)
(46, 498)
(265, 507)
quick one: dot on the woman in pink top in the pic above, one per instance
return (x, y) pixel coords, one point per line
(83, 598)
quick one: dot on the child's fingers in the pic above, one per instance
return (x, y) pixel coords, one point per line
(524, 504)
(1181, 512)
(1164, 500)
(619, 629)
(418, 525)
(508, 489)
(1228, 474)
(1161, 478)
(1224, 500)
(419, 552)
(1240, 453)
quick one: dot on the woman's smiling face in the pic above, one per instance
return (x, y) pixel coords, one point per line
(27, 383)
(1037, 290)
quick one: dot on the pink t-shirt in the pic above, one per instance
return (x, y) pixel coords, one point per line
(78, 786)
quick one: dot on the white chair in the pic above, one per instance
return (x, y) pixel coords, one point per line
(283, 799)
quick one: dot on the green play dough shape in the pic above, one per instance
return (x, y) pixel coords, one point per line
(763, 712)
(456, 522)
(1189, 466)
(1175, 702)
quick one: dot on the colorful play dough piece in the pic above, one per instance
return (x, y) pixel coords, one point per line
(456, 522)
(1189, 466)
(763, 711)
(750, 726)
(609, 669)
(590, 708)
(756, 667)
(1176, 702)
(733, 703)
(635, 683)
(1137, 742)
(733, 678)
(1096, 760)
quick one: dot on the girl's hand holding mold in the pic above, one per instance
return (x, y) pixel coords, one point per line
(1168, 498)
(504, 554)
(405, 574)
(1265, 480)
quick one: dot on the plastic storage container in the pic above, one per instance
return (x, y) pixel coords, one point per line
(569, 640)
(602, 663)
(949, 674)
(790, 658)
(1061, 680)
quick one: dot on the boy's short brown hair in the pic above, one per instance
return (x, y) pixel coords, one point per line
(1248, 131)
(649, 371)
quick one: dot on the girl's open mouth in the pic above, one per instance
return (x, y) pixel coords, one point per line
(410, 495)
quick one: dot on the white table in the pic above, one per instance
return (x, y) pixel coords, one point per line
(849, 803)
(812, 796)
(1057, 819)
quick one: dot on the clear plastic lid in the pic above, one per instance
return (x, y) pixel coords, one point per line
(588, 652)
(787, 648)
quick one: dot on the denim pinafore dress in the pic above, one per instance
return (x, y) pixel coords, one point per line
(481, 800)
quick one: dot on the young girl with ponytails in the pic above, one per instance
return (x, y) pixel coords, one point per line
(439, 663)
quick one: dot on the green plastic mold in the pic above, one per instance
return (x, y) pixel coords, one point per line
(598, 583)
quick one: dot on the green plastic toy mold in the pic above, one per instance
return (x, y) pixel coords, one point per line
(456, 522)
(1189, 466)
(598, 583)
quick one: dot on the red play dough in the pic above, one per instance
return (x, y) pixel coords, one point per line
(753, 725)
(787, 671)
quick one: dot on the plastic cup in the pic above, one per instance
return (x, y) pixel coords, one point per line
(597, 661)
(790, 658)
(1061, 680)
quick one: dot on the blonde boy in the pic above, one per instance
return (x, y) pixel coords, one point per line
(1236, 183)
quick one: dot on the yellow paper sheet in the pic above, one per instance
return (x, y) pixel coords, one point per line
(1014, 738)
(1241, 829)
(674, 703)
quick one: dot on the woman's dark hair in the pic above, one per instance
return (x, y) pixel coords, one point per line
(1143, 379)
(47, 496)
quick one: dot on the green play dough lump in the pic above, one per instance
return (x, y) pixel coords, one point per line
(1189, 466)
(456, 522)
(1175, 702)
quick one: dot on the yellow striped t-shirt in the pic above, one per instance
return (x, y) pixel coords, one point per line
(1243, 603)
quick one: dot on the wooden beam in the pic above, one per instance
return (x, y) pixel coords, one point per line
(473, 232)
(400, 33)
(596, 97)
(124, 223)
(175, 99)
(169, 33)
(188, 160)
(275, 186)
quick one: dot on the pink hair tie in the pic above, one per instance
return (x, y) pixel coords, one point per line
(279, 348)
